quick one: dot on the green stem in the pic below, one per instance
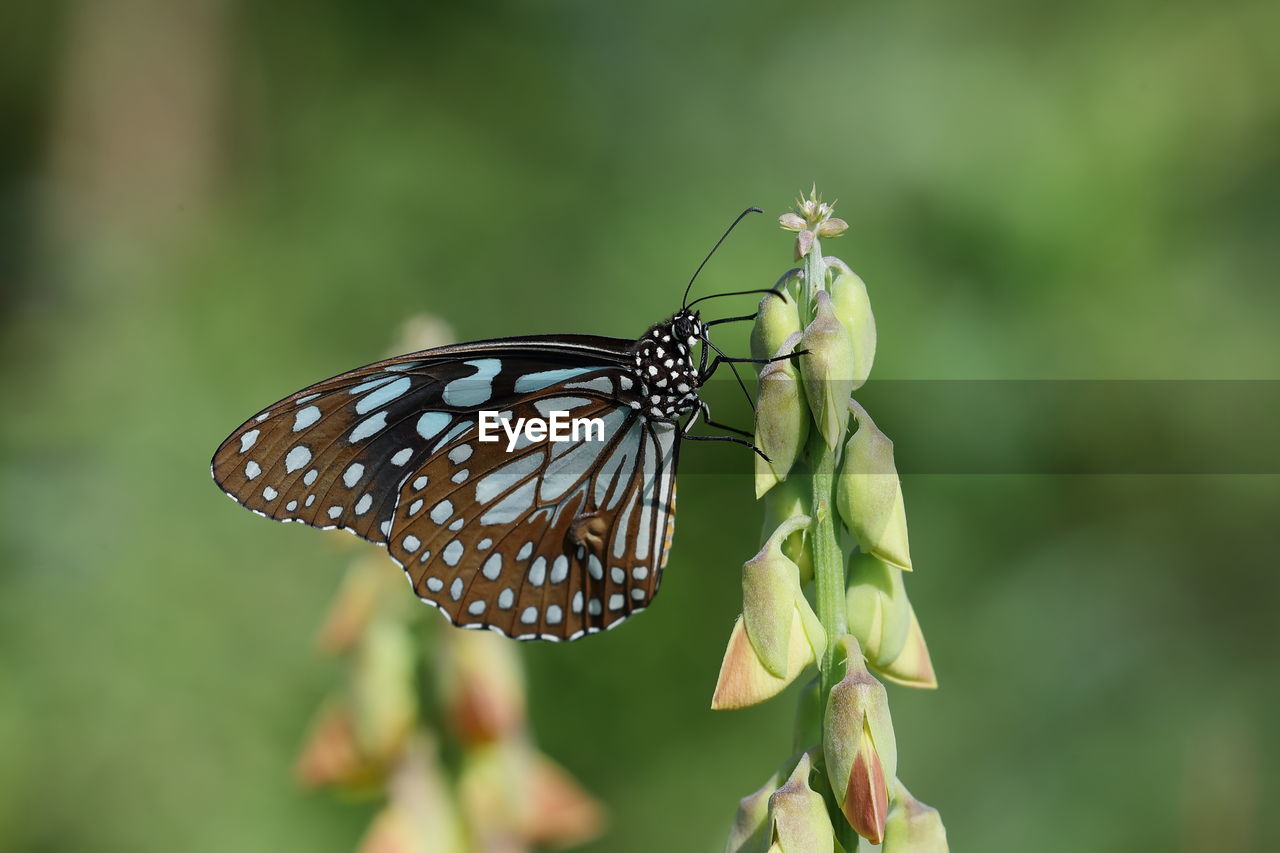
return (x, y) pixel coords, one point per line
(828, 559)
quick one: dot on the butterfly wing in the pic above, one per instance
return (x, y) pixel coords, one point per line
(550, 541)
(360, 450)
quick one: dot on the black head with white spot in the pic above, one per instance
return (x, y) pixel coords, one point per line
(665, 369)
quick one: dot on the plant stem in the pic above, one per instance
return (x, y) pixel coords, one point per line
(828, 560)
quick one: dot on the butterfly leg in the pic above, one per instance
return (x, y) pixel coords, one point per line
(704, 410)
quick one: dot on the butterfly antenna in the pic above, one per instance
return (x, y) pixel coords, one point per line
(741, 216)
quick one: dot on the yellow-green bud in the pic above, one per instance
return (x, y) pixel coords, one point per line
(772, 602)
(869, 494)
(750, 822)
(860, 748)
(878, 610)
(827, 369)
(776, 321)
(798, 815)
(852, 307)
(782, 420)
(785, 501)
(913, 827)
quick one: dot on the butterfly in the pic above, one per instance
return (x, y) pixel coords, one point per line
(533, 538)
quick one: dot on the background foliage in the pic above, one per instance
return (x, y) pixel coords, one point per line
(208, 204)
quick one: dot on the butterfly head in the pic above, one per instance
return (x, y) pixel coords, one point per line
(687, 326)
(665, 368)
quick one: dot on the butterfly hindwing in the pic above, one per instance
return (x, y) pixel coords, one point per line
(551, 540)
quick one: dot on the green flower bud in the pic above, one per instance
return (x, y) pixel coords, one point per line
(785, 501)
(782, 420)
(772, 602)
(750, 822)
(859, 744)
(913, 827)
(852, 307)
(798, 815)
(776, 321)
(878, 610)
(869, 494)
(912, 667)
(827, 369)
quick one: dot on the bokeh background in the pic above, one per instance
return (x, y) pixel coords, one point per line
(207, 204)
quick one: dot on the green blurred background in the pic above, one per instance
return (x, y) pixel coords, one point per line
(205, 205)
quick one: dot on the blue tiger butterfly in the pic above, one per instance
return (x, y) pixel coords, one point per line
(547, 541)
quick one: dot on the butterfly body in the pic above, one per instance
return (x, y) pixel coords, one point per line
(542, 540)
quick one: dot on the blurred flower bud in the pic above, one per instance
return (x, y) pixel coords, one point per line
(859, 745)
(798, 815)
(777, 320)
(912, 667)
(791, 221)
(804, 242)
(827, 369)
(852, 307)
(481, 686)
(913, 827)
(878, 610)
(869, 494)
(365, 587)
(750, 821)
(330, 755)
(772, 602)
(382, 689)
(782, 421)
(494, 795)
(420, 816)
(832, 227)
(788, 500)
(744, 681)
(563, 814)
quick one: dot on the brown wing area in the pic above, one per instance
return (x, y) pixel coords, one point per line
(553, 540)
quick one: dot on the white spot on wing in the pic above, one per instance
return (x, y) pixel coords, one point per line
(304, 418)
(492, 567)
(296, 458)
(383, 395)
(352, 475)
(368, 427)
(476, 388)
(249, 439)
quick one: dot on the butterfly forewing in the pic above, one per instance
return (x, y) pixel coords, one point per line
(550, 540)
